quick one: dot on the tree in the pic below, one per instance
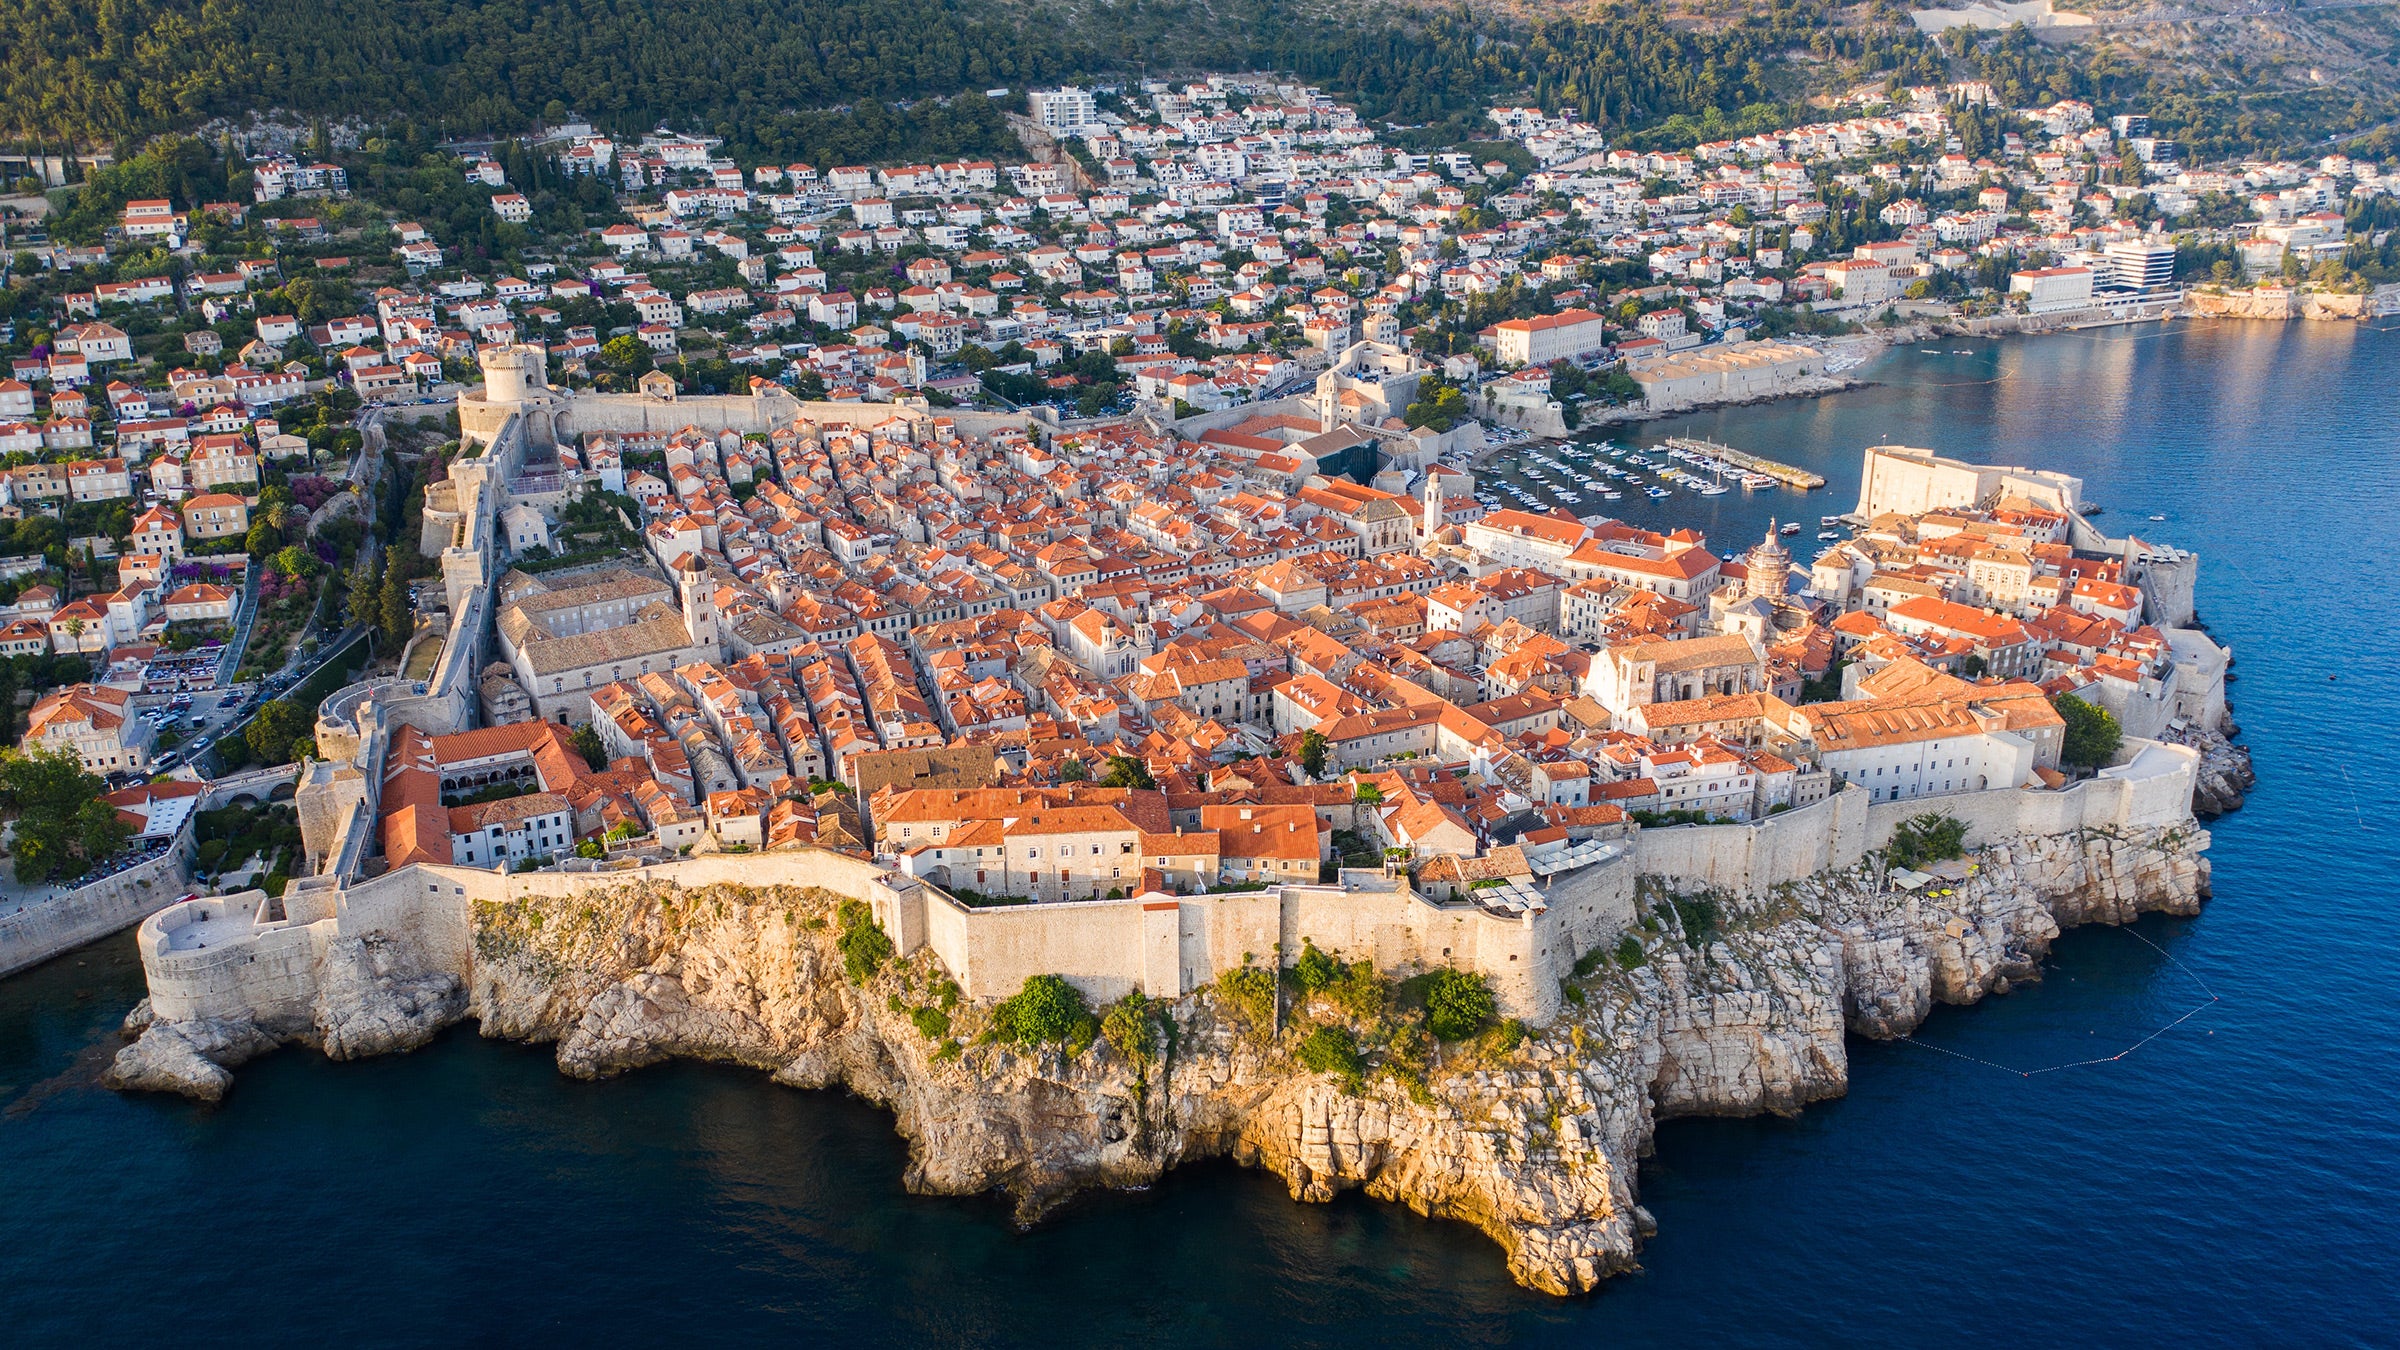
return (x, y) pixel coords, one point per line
(1439, 405)
(294, 561)
(62, 823)
(1458, 1004)
(2092, 733)
(587, 744)
(1072, 770)
(263, 538)
(397, 614)
(1124, 771)
(366, 602)
(624, 351)
(272, 733)
(1312, 753)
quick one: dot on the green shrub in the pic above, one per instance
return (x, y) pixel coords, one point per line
(1355, 987)
(1928, 838)
(1359, 991)
(1589, 962)
(863, 946)
(1458, 1003)
(1249, 991)
(932, 1023)
(1131, 1028)
(1699, 916)
(1314, 970)
(1331, 1050)
(1047, 1011)
(1629, 952)
(1505, 1038)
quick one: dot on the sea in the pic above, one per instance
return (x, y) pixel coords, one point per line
(2232, 1180)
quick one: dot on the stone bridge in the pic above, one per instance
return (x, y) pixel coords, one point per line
(251, 788)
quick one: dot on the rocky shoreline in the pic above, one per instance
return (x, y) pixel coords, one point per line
(1719, 1005)
(2224, 778)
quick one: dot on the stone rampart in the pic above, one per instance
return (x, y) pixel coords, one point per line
(61, 923)
(1164, 946)
(1755, 858)
(2149, 785)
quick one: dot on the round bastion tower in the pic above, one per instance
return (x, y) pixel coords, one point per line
(1770, 567)
(512, 371)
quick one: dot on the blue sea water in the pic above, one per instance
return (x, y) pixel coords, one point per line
(2232, 1182)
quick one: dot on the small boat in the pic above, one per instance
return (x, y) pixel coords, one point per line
(1658, 492)
(1791, 527)
(1929, 351)
(2158, 517)
(1827, 534)
(1829, 520)
(1713, 490)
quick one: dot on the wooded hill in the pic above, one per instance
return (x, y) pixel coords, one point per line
(122, 69)
(778, 76)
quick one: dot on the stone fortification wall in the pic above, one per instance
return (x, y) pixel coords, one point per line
(268, 974)
(2276, 302)
(1166, 947)
(2150, 786)
(63, 922)
(1107, 947)
(1754, 859)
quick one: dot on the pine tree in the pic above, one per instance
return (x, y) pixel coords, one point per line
(399, 617)
(366, 602)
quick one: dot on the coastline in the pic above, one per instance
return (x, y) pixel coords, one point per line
(1750, 955)
(1857, 349)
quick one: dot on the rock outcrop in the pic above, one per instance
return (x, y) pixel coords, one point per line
(1717, 1005)
(2223, 779)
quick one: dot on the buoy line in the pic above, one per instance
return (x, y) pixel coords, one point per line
(2213, 998)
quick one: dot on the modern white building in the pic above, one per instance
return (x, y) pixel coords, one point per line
(2141, 264)
(2047, 290)
(1064, 111)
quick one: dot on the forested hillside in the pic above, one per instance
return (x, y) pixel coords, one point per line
(124, 68)
(795, 76)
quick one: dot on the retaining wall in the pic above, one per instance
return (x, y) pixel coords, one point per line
(60, 924)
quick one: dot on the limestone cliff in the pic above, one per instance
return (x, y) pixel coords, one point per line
(1718, 1005)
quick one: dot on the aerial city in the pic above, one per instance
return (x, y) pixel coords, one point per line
(1399, 598)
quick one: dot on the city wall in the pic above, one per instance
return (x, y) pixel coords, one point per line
(1160, 945)
(2149, 786)
(63, 922)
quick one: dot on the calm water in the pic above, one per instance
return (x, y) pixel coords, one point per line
(2232, 1183)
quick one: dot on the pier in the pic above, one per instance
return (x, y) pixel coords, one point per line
(1781, 473)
